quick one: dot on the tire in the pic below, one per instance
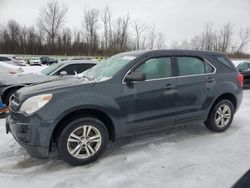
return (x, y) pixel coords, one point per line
(77, 150)
(8, 95)
(223, 112)
(3, 115)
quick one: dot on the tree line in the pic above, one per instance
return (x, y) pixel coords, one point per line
(103, 34)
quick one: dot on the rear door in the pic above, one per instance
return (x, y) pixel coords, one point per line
(195, 79)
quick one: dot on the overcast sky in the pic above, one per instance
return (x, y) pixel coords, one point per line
(178, 19)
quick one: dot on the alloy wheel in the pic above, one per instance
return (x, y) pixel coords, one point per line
(84, 142)
(223, 115)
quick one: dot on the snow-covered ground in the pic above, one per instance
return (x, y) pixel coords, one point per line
(188, 157)
(236, 62)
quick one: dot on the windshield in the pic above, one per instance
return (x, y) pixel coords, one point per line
(107, 68)
(51, 68)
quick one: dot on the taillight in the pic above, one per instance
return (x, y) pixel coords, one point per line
(240, 78)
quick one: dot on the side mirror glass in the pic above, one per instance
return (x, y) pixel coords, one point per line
(135, 76)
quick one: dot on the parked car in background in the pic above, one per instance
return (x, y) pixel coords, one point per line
(244, 69)
(11, 83)
(21, 61)
(129, 93)
(35, 61)
(81, 58)
(11, 60)
(48, 60)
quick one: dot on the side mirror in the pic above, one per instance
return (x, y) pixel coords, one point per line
(135, 76)
(63, 73)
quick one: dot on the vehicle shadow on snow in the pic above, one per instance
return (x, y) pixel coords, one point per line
(171, 135)
(22, 160)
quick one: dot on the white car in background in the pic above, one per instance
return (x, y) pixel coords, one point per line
(21, 61)
(35, 61)
(11, 60)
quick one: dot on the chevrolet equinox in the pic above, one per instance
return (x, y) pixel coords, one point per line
(129, 93)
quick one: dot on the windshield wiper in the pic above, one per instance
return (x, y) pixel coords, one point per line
(86, 77)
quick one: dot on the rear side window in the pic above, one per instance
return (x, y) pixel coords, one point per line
(193, 66)
(156, 68)
(224, 61)
(190, 66)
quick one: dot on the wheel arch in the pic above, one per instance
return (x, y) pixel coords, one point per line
(229, 96)
(12, 87)
(86, 112)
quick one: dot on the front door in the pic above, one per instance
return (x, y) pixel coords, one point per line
(151, 103)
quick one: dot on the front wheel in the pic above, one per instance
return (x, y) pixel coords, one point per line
(82, 141)
(221, 116)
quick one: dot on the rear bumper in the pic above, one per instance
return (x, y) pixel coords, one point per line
(239, 100)
(22, 132)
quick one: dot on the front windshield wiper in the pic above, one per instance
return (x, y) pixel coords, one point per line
(86, 77)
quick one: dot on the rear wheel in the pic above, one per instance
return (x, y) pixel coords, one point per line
(221, 116)
(82, 141)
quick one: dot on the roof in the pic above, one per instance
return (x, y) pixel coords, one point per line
(193, 52)
(77, 61)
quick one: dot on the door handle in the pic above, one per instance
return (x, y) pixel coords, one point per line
(210, 79)
(169, 86)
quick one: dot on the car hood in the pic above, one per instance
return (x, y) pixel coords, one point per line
(23, 79)
(50, 87)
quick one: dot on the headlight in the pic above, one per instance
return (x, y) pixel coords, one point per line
(33, 104)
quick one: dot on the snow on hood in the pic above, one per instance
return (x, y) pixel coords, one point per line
(25, 79)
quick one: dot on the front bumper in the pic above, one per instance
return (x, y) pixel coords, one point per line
(22, 132)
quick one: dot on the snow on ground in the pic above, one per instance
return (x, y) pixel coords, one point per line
(188, 157)
(236, 62)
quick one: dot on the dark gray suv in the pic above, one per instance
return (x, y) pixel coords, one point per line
(129, 93)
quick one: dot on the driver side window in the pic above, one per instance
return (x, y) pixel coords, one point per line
(156, 68)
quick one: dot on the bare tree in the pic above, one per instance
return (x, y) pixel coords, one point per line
(160, 43)
(139, 29)
(14, 31)
(66, 40)
(51, 19)
(23, 39)
(107, 33)
(120, 34)
(224, 38)
(174, 44)
(195, 42)
(152, 38)
(90, 23)
(244, 39)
